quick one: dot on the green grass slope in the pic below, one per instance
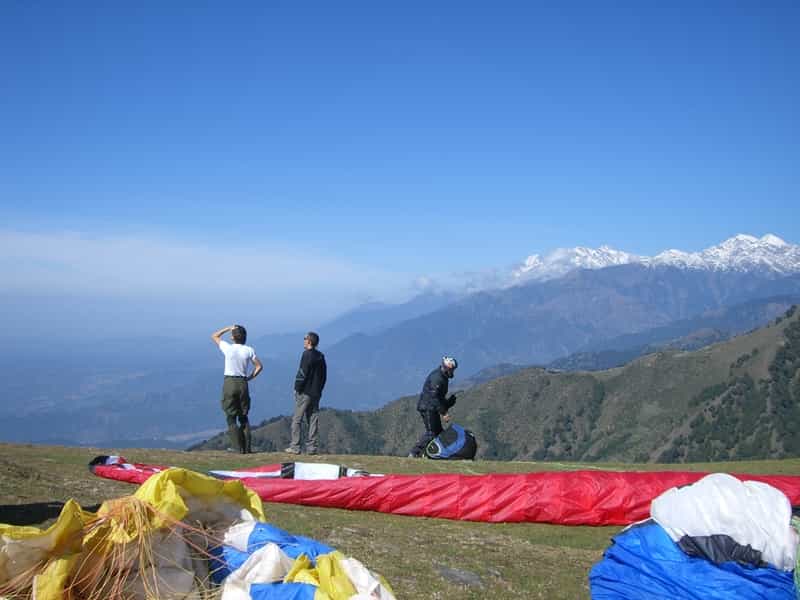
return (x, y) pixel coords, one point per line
(520, 560)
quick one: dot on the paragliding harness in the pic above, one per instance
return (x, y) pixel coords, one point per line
(454, 443)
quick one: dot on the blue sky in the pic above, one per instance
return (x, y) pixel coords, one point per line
(197, 163)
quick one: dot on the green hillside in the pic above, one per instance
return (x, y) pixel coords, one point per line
(739, 399)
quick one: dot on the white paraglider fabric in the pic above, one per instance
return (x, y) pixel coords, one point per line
(266, 565)
(749, 512)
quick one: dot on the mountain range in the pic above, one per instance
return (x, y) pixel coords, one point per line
(741, 253)
(571, 309)
(537, 323)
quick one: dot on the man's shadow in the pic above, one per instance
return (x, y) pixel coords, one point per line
(33, 514)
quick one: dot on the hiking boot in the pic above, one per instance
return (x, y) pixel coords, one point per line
(292, 451)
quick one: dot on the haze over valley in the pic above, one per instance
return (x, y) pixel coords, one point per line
(575, 309)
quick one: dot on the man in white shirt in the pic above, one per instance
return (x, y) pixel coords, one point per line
(235, 391)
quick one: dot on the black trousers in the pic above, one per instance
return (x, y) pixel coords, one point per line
(433, 427)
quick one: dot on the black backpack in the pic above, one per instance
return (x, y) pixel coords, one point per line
(454, 443)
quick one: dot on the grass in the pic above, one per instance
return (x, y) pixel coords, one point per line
(421, 558)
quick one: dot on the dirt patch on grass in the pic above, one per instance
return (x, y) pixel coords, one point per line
(13, 473)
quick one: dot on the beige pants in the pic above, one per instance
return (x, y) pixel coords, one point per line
(305, 408)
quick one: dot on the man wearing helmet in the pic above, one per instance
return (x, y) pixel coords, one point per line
(434, 403)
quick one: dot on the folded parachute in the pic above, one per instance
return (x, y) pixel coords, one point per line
(180, 536)
(260, 561)
(454, 443)
(566, 498)
(643, 563)
(722, 519)
(718, 538)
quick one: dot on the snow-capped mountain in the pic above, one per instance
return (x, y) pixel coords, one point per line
(563, 260)
(741, 253)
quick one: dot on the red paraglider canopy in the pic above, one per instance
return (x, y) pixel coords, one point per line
(565, 498)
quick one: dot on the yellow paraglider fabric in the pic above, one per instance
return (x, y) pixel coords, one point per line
(159, 502)
(163, 492)
(330, 580)
(80, 548)
(25, 548)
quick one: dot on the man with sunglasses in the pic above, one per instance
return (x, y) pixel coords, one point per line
(308, 385)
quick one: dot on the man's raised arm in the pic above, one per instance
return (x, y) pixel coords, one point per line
(217, 335)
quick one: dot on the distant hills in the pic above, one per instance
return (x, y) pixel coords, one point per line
(685, 334)
(573, 309)
(537, 323)
(368, 318)
(739, 399)
(571, 301)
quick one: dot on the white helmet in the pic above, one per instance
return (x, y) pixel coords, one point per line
(450, 363)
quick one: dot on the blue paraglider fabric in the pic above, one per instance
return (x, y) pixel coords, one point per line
(643, 563)
(226, 559)
(292, 545)
(451, 449)
(282, 591)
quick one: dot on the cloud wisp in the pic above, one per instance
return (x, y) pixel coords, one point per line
(52, 278)
(77, 263)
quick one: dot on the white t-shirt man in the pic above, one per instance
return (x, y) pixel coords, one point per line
(238, 358)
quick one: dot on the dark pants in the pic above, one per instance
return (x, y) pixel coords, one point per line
(236, 405)
(433, 427)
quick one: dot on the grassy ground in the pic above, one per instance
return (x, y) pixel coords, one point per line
(521, 560)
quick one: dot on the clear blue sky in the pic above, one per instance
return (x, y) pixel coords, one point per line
(200, 162)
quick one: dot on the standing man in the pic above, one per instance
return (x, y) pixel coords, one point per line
(434, 403)
(308, 385)
(235, 390)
